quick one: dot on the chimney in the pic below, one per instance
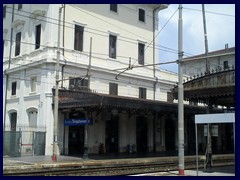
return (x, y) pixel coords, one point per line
(226, 46)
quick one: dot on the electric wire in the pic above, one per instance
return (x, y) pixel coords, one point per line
(88, 28)
(210, 12)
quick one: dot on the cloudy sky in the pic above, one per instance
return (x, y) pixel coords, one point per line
(220, 22)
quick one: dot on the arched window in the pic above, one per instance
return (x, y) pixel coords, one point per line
(32, 116)
(13, 121)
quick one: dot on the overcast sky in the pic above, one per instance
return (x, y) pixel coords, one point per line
(220, 30)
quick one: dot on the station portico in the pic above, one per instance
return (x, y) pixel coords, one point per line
(120, 122)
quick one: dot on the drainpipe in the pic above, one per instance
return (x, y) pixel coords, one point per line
(7, 76)
(155, 13)
(154, 70)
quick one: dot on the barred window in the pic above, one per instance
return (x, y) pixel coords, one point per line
(4, 11)
(78, 38)
(18, 44)
(112, 46)
(142, 93)
(114, 7)
(14, 88)
(20, 6)
(38, 36)
(141, 48)
(78, 83)
(113, 89)
(141, 14)
(13, 119)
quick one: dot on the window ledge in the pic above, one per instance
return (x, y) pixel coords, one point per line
(33, 93)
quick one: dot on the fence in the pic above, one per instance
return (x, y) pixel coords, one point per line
(23, 143)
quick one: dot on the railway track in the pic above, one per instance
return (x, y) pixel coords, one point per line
(117, 169)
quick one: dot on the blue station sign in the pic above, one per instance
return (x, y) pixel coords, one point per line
(78, 122)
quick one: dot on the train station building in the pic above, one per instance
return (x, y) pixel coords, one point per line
(109, 95)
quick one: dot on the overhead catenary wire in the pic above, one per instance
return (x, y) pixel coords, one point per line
(132, 66)
(211, 12)
(104, 33)
(159, 32)
(71, 49)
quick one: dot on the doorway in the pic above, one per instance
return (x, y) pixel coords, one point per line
(76, 136)
(112, 134)
(142, 134)
(170, 135)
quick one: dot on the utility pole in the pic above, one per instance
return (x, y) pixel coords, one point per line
(85, 154)
(180, 97)
(205, 39)
(55, 130)
(209, 104)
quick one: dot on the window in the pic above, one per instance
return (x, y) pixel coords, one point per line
(4, 11)
(32, 119)
(141, 48)
(13, 121)
(141, 15)
(19, 6)
(113, 89)
(142, 93)
(112, 46)
(114, 7)
(38, 36)
(33, 84)
(14, 88)
(78, 83)
(225, 65)
(78, 38)
(18, 44)
(170, 97)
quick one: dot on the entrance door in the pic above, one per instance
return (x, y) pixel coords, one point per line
(170, 135)
(76, 136)
(112, 135)
(142, 134)
(76, 140)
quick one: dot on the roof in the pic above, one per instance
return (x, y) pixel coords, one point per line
(160, 6)
(220, 52)
(76, 99)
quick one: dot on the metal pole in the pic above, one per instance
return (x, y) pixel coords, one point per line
(89, 66)
(85, 154)
(180, 97)
(234, 137)
(196, 136)
(205, 38)
(55, 130)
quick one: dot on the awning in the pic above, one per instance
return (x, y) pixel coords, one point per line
(81, 99)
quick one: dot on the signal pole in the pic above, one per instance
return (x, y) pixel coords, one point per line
(180, 98)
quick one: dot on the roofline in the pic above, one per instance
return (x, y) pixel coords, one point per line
(222, 52)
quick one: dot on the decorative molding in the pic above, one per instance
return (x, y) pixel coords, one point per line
(17, 23)
(37, 13)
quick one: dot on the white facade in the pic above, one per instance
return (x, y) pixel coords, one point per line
(34, 72)
(218, 61)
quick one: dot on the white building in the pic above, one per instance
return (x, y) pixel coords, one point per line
(122, 36)
(220, 60)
